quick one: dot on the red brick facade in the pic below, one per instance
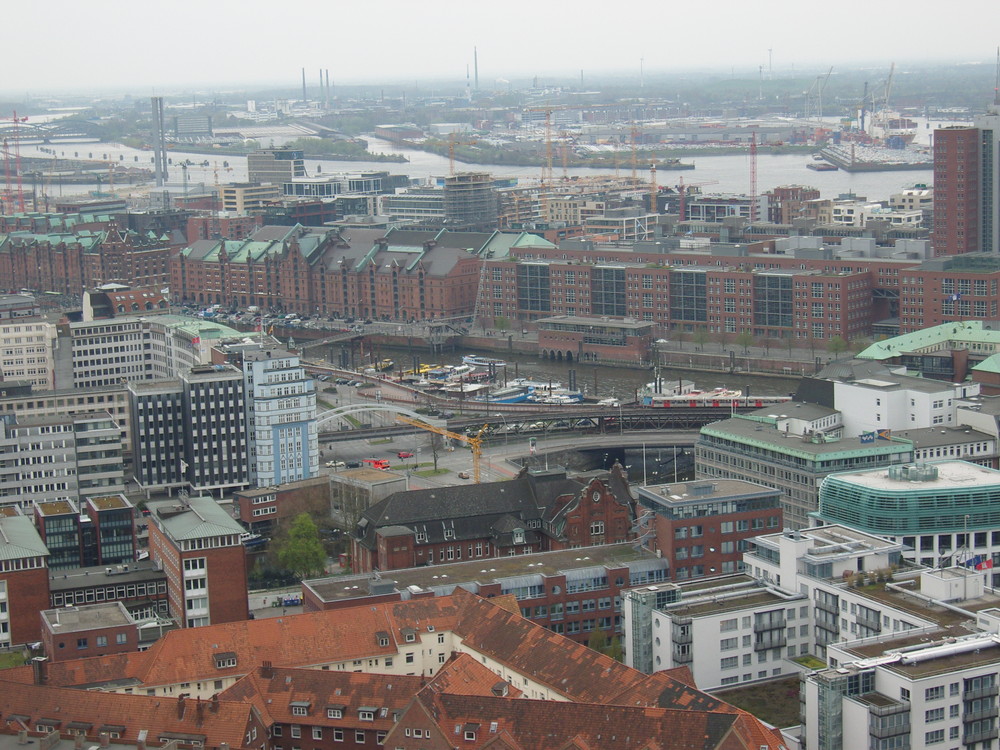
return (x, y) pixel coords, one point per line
(27, 595)
(957, 179)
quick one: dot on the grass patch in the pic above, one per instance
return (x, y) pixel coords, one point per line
(431, 472)
(11, 659)
(775, 701)
(810, 662)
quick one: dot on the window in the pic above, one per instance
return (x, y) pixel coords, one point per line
(366, 716)
(334, 713)
(934, 693)
(81, 643)
(380, 737)
(359, 736)
(338, 735)
(934, 714)
(726, 625)
(121, 638)
(729, 662)
(296, 730)
(102, 640)
(299, 711)
(931, 738)
(317, 733)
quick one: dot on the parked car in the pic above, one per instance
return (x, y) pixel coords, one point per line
(335, 464)
(353, 464)
(404, 454)
(463, 475)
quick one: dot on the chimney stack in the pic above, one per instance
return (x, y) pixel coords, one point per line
(140, 740)
(104, 739)
(22, 736)
(78, 741)
(40, 670)
(266, 670)
(180, 705)
(215, 704)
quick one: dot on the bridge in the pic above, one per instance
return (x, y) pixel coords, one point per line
(580, 420)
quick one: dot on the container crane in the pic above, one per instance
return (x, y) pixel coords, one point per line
(475, 442)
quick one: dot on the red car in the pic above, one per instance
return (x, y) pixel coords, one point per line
(404, 454)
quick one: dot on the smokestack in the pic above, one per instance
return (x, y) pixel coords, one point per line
(475, 60)
(327, 88)
(304, 97)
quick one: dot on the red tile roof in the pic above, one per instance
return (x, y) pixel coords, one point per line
(218, 722)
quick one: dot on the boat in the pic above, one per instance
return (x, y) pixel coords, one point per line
(536, 384)
(385, 365)
(822, 166)
(555, 395)
(692, 397)
(479, 361)
(511, 394)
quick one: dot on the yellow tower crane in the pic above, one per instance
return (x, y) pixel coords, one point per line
(475, 442)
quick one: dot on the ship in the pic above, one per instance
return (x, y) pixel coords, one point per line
(511, 394)
(478, 361)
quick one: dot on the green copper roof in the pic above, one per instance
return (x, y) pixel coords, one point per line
(960, 335)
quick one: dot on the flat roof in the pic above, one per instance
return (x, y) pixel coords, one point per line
(750, 598)
(368, 475)
(486, 571)
(610, 322)
(705, 490)
(110, 502)
(755, 428)
(89, 617)
(951, 475)
(944, 650)
(98, 575)
(56, 508)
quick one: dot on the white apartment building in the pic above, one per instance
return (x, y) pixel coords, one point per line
(728, 630)
(932, 688)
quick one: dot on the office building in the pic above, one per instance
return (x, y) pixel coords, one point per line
(27, 350)
(198, 546)
(275, 166)
(261, 510)
(59, 458)
(140, 586)
(242, 198)
(967, 186)
(23, 579)
(702, 528)
(124, 349)
(791, 452)
(191, 431)
(943, 512)
(280, 401)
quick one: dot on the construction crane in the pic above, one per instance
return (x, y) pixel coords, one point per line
(682, 192)
(475, 442)
(452, 142)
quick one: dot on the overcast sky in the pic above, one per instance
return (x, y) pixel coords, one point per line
(155, 47)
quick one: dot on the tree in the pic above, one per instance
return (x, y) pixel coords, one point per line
(302, 551)
(501, 324)
(614, 649)
(700, 337)
(745, 339)
(723, 338)
(836, 346)
(598, 641)
(435, 442)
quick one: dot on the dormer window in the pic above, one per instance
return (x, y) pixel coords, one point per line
(366, 714)
(300, 708)
(449, 533)
(518, 536)
(382, 637)
(335, 712)
(225, 660)
(470, 731)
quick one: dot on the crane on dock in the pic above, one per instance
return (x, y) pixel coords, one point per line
(475, 442)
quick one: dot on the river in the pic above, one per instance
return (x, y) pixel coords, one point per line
(730, 172)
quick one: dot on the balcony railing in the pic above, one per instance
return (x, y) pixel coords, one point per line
(981, 692)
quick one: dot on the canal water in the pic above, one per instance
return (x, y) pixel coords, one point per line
(599, 381)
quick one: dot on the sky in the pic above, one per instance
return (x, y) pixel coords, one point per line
(157, 48)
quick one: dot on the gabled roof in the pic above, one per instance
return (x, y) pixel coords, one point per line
(544, 725)
(217, 722)
(274, 691)
(19, 539)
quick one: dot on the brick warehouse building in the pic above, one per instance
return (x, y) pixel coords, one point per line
(534, 512)
(398, 275)
(68, 261)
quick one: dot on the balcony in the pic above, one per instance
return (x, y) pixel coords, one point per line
(980, 735)
(883, 729)
(981, 692)
(763, 627)
(682, 658)
(778, 641)
(832, 607)
(872, 623)
(983, 713)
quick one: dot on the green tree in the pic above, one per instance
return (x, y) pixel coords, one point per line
(598, 641)
(836, 346)
(745, 339)
(614, 649)
(700, 337)
(302, 551)
(501, 324)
